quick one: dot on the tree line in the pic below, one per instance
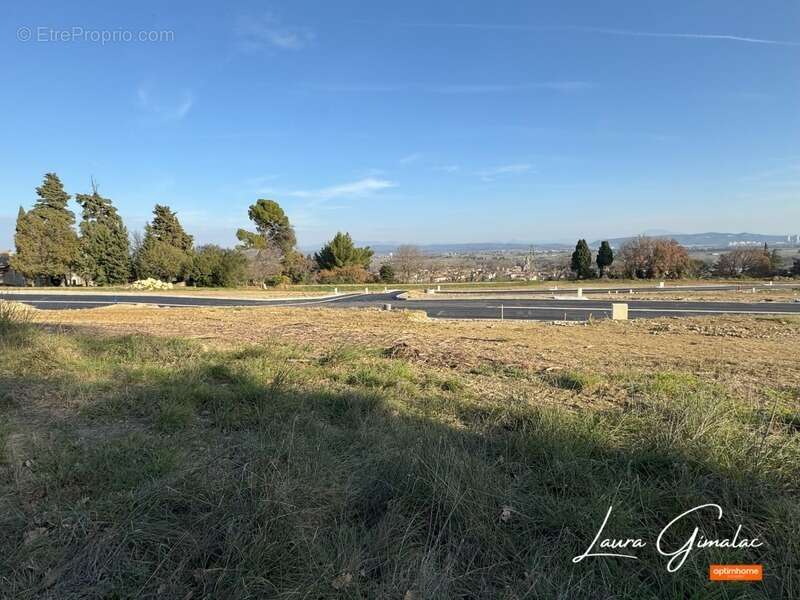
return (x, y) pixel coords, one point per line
(658, 258)
(50, 251)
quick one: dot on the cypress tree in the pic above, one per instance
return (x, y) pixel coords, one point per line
(104, 246)
(582, 260)
(605, 257)
(46, 242)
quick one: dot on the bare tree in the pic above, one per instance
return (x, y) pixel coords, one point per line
(670, 259)
(407, 262)
(136, 243)
(744, 261)
(645, 257)
(635, 256)
(263, 263)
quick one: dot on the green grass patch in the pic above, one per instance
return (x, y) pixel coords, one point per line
(266, 471)
(575, 381)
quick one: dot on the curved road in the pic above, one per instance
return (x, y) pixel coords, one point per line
(538, 309)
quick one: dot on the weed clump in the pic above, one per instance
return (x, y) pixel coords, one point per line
(575, 381)
(16, 322)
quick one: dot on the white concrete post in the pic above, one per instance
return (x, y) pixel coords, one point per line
(335, 290)
(580, 292)
(619, 311)
(661, 284)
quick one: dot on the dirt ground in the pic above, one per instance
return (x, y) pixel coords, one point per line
(747, 350)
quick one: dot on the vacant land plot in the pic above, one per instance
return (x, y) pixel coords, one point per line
(243, 453)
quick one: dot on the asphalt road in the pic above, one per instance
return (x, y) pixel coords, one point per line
(530, 309)
(78, 300)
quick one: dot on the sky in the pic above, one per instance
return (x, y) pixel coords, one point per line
(413, 121)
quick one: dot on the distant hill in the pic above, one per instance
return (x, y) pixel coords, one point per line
(690, 240)
(466, 248)
(712, 239)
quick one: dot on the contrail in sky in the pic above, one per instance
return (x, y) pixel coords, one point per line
(605, 31)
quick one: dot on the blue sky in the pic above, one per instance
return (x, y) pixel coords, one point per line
(416, 121)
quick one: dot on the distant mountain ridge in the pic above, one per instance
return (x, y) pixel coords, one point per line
(690, 240)
(712, 239)
(455, 248)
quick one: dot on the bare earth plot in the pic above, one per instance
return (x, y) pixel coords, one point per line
(343, 453)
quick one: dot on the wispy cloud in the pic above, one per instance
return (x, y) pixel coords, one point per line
(355, 189)
(695, 36)
(259, 181)
(448, 168)
(411, 158)
(511, 169)
(266, 31)
(455, 88)
(173, 110)
(605, 31)
(358, 88)
(493, 88)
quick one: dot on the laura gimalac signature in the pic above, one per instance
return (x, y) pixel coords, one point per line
(602, 546)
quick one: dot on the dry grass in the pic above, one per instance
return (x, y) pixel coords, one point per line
(758, 349)
(287, 453)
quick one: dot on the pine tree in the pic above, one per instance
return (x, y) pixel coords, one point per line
(166, 251)
(46, 242)
(272, 226)
(582, 260)
(104, 246)
(341, 252)
(386, 273)
(605, 257)
(166, 228)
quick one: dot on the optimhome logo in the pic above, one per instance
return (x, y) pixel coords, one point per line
(677, 554)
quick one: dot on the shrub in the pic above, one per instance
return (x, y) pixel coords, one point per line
(218, 267)
(386, 273)
(344, 275)
(150, 284)
(340, 253)
(158, 259)
(278, 281)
